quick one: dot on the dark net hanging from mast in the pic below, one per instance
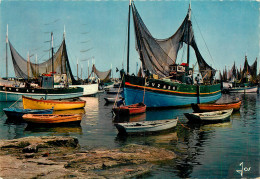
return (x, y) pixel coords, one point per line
(61, 64)
(103, 76)
(157, 54)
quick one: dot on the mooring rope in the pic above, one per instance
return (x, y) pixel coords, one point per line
(182, 124)
(15, 102)
(118, 91)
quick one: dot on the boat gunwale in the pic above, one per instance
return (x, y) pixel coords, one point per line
(163, 122)
(55, 101)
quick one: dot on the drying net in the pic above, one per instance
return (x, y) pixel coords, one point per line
(26, 69)
(157, 54)
(103, 76)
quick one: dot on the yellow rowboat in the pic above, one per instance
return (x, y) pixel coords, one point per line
(31, 103)
(52, 118)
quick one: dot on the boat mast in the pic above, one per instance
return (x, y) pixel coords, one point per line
(52, 59)
(6, 51)
(36, 70)
(28, 66)
(88, 70)
(188, 41)
(128, 37)
(64, 34)
(78, 69)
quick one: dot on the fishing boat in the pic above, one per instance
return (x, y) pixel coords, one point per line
(146, 126)
(52, 118)
(16, 93)
(244, 81)
(31, 103)
(213, 116)
(130, 109)
(46, 74)
(167, 84)
(216, 106)
(246, 89)
(17, 113)
(88, 89)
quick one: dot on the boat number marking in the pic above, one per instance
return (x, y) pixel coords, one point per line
(161, 86)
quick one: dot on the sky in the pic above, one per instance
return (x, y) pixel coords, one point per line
(225, 30)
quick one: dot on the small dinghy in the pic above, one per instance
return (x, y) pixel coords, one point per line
(52, 118)
(31, 103)
(216, 106)
(146, 126)
(130, 109)
(213, 116)
(17, 113)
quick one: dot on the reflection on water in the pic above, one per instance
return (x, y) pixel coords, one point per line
(71, 111)
(203, 151)
(65, 130)
(132, 118)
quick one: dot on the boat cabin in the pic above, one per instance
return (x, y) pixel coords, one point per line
(181, 73)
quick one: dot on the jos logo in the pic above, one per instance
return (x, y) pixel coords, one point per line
(243, 169)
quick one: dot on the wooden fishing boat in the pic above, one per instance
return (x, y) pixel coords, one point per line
(17, 113)
(216, 106)
(146, 126)
(52, 118)
(213, 116)
(246, 89)
(172, 84)
(30, 103)
(130, 109)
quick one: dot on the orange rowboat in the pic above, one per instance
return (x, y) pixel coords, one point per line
(130, 109)
(52, 118)
(31, 103)
(216, 106)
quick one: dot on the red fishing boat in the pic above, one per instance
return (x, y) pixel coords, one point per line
(216, 106)
(130, 109)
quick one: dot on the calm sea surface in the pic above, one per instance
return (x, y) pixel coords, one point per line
(204, 151)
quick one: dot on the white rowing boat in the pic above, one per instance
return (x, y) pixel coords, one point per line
(146, 126)
(209, 116)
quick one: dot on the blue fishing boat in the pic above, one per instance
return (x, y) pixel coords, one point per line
(161, 82)
(17, 113)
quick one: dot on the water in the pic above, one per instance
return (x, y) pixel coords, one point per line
(204, 151)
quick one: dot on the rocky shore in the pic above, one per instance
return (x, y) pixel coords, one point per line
(62, 157)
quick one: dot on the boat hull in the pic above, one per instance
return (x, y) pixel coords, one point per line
(52, 119)
(31, 103)
(17, 113)
(243, 90)
(130, 110)
(88, 89)
(16, 93)
(159, 93)
(215, 107)
(209, 117)
(146, 126)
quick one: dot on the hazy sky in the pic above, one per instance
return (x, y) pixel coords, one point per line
(224, 30)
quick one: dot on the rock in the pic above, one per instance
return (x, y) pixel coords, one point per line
(60, 157)
(30, 149)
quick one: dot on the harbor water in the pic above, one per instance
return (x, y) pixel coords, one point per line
(220, 150)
